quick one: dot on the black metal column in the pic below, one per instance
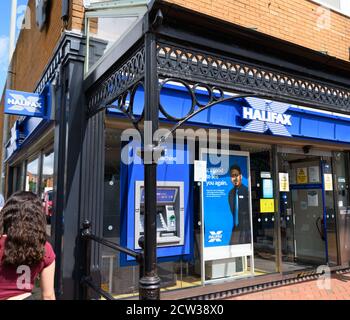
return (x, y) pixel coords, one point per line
(149, 284)
(69, 134)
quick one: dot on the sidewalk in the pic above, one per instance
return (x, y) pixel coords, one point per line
(336, 288)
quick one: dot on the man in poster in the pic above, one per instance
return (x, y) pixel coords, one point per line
(239, 204)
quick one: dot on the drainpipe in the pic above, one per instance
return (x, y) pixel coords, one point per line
(5, 133)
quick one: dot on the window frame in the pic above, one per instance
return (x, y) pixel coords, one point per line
(341, 10)
(132, 11)
(113, 4)
(39, 155)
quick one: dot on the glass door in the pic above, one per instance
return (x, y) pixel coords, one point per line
(308, 225)
(305, 211)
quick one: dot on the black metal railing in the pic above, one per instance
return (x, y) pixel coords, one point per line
(86, 280)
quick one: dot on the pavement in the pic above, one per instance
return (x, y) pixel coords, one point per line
(336, 287)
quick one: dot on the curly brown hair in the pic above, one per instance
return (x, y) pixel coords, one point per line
(23, 221)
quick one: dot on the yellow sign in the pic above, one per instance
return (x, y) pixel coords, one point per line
(267, 205)
(302, 175)
(328, 182)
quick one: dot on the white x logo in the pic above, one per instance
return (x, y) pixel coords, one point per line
(265, 106)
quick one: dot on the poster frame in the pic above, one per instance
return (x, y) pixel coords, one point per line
(202, 153)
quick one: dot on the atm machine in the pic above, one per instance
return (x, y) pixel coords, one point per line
(170, 213)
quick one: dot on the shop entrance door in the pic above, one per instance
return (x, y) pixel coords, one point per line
(306, 210)
(308, 216)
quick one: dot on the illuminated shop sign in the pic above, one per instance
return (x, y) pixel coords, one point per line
(25, 104)
(266, 115)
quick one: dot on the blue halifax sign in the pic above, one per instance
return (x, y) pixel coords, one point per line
(25, 104)
(267, 115)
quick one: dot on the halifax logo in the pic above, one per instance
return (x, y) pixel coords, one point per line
(24, 104)
(267, 115)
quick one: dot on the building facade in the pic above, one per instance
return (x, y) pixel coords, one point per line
(253, 105)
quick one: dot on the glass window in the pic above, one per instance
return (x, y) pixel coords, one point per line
(92, 4)
(46, 186)
(333, 3)
(342, 183)
(262, 181)
(47, 173)
(107, 22)
(17, 182)
(32, 176)
(120, 277)
(330, 214)
(342, 6)
(103, 33)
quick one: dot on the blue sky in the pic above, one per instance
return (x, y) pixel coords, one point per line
(5, 11)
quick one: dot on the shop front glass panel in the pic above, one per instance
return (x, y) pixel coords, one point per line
(262, 181)
(186, 271)
(46, 185)
(17, 178)
(309, 241)
(117, 280)
(330, 212)
(32, 176)
(341, 165)
(120, 276)
(302, 211)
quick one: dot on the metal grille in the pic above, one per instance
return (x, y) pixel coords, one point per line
(118, 82)
(197, 66)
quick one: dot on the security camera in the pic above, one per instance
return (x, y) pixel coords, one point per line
(306, 149)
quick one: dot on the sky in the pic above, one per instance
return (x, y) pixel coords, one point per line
(5, 12)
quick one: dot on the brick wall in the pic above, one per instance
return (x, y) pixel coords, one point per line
(298, 21)
(76, 21)
(34, 48)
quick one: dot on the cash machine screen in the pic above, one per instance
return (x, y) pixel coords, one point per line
(167, 215)
(163, 195)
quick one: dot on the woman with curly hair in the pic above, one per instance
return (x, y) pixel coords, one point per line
(25, 254)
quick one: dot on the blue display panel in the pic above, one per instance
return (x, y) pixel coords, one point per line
(169, 171)
(267, 188)
(163, 195)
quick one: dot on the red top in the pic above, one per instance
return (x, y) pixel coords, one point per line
(12, 279)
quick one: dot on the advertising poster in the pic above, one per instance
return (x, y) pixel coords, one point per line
(227, 206)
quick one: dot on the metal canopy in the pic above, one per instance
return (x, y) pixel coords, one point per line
(195, 60)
